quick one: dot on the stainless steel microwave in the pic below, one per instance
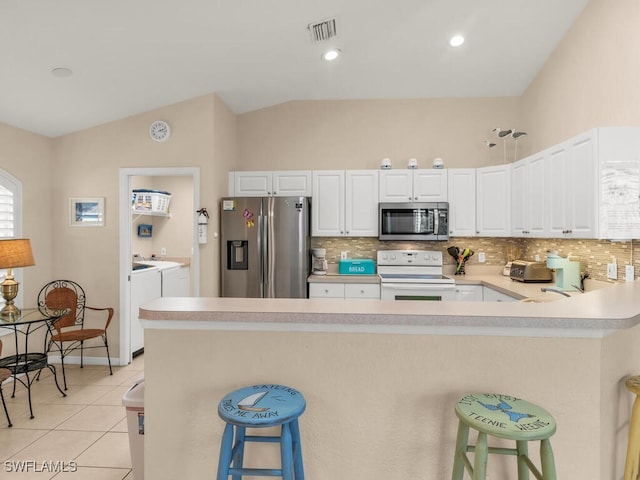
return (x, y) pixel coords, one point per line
(413, 221)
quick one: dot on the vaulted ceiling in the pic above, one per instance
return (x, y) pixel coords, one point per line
(127, 57)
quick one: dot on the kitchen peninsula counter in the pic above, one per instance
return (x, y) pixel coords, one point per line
(381, 378)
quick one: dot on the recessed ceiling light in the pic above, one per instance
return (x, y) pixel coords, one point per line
(61, 72)
(456, 40)
(331, 55)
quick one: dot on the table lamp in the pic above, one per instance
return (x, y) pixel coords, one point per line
(14, 253)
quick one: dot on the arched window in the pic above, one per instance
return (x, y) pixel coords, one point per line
(10, 217)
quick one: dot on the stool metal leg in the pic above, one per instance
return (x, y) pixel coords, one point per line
(633, 447)
(523, 452)
(298, 468)
(548, 463)
(286, 452)
(226, 445)
(461, 451)
(238, 450)
(480, 460)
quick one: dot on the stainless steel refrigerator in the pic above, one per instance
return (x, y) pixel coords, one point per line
(265, 247)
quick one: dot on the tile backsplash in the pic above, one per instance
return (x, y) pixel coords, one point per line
(593, 254)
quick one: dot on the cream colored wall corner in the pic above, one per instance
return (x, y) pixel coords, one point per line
(591, 79)
(27, 156)
(225, 152)
(357, 134)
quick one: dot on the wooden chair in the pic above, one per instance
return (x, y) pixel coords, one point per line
(69, 332)
(4, 374)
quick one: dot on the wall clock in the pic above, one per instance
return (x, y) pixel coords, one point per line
(159, 131)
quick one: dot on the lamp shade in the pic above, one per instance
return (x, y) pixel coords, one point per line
(15, 252)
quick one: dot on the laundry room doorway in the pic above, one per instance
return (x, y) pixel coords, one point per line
(188, 178)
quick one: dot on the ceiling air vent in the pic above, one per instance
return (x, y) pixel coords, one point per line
(322, 31)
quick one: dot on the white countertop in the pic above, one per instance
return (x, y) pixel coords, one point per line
(592, 314)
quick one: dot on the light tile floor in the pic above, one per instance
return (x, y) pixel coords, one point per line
(84, 433)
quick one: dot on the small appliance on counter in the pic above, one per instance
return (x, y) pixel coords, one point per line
(567, 272)
(319, 263)
(513, 253)
(530, 272)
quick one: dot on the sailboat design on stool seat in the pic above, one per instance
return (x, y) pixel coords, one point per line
(248, 403)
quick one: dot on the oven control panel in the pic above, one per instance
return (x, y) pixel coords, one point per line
(425, 258)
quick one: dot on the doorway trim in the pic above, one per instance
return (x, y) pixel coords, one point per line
(126, 233)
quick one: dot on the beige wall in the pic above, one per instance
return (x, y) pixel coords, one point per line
(381, 406)
(27, 157)
(355, 134)
(173, 233)
(592, 78)
(87, 163)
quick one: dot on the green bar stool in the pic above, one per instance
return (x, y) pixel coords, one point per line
(505, 417)
(261, 406)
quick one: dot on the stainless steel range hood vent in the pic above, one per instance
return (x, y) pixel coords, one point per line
(322, 31)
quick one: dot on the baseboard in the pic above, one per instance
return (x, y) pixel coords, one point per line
(55, 359)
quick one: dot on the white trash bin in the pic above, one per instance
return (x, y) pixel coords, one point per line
(133, 401)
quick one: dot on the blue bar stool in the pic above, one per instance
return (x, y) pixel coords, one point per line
(261, 406)
(505, 417)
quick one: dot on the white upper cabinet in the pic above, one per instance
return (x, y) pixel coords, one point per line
(462, 201)
(267, 184)
(345, 203)
(593, 182)
(619, 183)
(572, 185)
(581, 179)
(528, 197)
(327, 204)
(413, 185)
(361, 208)
(493, 217)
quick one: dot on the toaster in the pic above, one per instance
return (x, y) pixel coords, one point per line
(533, 272)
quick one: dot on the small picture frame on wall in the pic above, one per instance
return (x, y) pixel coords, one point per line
(145, 230)
(86, 211)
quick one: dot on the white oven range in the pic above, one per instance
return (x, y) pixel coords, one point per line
(413, 275)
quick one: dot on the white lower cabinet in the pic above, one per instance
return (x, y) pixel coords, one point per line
(362, 290)
(492, 295)
(344, 290)
(468, 293)
(480, 293)
(145, 286)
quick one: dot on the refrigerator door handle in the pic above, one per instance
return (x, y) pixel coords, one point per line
(261, 247)
(270, 249)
